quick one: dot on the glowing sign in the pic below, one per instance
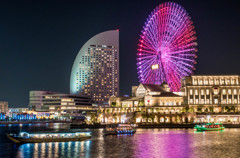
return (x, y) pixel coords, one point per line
(156, 66)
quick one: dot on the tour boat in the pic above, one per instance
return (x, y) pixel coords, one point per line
(120, 129)
(210, 127)
(25, 137)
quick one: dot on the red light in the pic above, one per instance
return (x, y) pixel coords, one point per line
(117, 29)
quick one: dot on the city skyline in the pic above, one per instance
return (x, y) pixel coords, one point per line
(38, 49)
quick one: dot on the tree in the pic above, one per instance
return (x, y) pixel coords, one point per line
(206, 110)
(114, 104)
(190, 110)
(192, 120)
(115, 117)
(151, 116)
(233, 108)
(92, 117)
(178, 119)
(227, 109)
(141, 103)
(144, 116)
(186, 119)
(199, 109)
(183, 110)
(133, 119)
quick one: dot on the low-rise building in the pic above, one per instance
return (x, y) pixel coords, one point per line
(3, 107)
(59, 103)
(203, 98)
(213, 97)
(151, 103)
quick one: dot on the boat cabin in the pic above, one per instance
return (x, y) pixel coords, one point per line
(54, 135)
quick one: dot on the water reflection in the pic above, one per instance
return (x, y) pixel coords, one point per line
(55, 149)
(145, 143)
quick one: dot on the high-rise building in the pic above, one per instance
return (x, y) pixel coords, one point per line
(95, 72)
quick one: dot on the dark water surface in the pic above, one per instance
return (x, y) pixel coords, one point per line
(146, 143)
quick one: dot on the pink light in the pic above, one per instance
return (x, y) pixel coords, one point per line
(176, 48)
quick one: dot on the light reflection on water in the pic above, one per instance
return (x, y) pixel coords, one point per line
(58, 149)
(146, 143)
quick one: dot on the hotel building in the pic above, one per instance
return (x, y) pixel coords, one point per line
(95, 72)
(59, 103)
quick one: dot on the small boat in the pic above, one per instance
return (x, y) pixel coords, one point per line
(210, 127)
(25, 137)
(120, 129)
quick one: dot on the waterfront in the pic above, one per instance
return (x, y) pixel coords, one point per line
(145, 143)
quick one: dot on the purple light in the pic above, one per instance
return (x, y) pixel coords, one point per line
(168, 40)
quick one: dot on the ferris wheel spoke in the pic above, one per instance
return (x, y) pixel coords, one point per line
(184, 70)
(181, 51)
(149, 52)
(149, 43)
(168, 41)
(152, 37)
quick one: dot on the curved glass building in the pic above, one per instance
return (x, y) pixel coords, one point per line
(95, 72)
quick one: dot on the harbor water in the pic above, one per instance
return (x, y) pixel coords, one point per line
(146, 143)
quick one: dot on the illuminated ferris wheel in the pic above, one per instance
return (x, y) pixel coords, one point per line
(167, 47)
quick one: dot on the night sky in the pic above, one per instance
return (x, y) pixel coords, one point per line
(39, 40)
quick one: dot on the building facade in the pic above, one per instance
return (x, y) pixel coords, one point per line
(151, 103)
(213, 97)
(59, 103)
(203, 98)
(3, 107)
(95, 72)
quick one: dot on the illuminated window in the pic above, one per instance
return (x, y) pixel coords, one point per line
(196, 92)
(206, 82)
(222, 81)
(195, 82)
(234, 91)
(207, 91)
(224, 91)
(228, 81)
(211, 82)
(196, 101)
(229, 91)
(191, 101)
(191, 92)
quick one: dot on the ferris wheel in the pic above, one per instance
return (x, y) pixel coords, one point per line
(167, 47)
